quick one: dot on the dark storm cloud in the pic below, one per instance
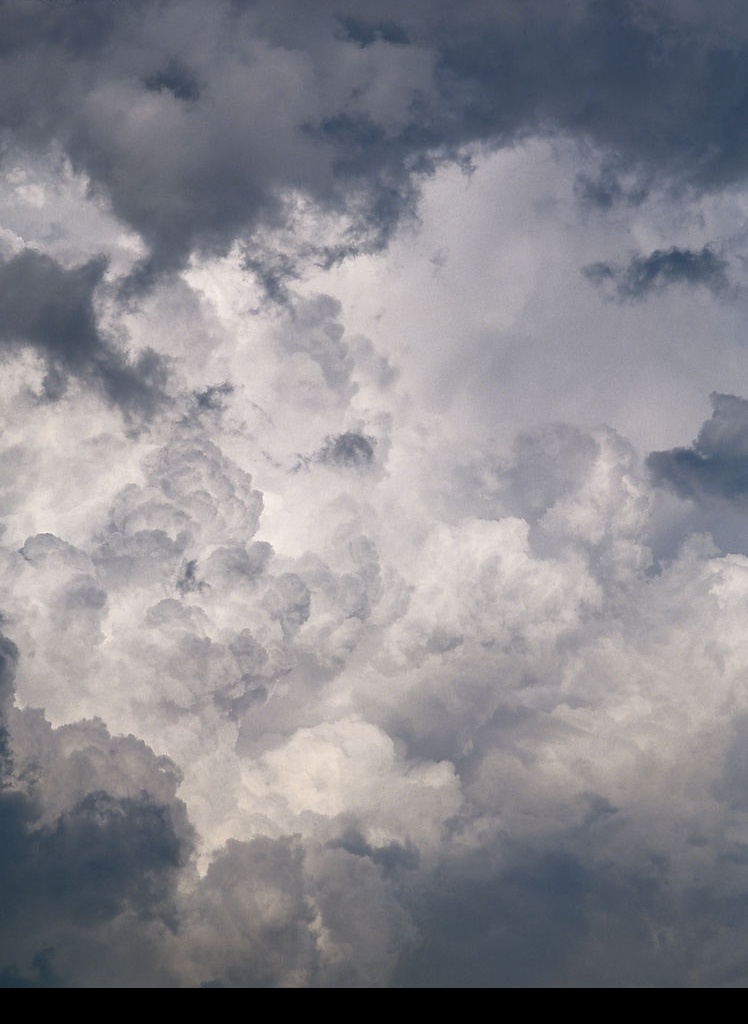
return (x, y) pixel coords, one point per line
(637, 79)
(49, 308)
(103, 857)
(103, 854)
(663, 267)
(551, 918)
(716, 464)
(464, 727)
(198, 122)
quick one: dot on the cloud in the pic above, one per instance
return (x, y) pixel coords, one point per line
(706, 482)
(51, 309)
(647, 274)
(380, 655)
(319, 769)
(93, 835)
(348, 449)
(354, 111)
(716, 464)
(607, 188)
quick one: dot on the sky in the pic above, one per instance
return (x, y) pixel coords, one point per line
(373, 494)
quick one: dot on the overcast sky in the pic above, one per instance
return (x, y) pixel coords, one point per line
(373, 494)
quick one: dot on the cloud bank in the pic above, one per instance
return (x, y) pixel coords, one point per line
(367, 618)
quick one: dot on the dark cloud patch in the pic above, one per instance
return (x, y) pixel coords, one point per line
(662, 268)
(176, 79)
(716, 465)
(212, 397)
(551, 918)
(90, 830)
(349, 450)
(8, 663)
(596, 70)
(209, 402)
(513, 929)
(692, 474)
(74, 27)
(273, 271)
(634, 79)
(365, 33)
(391, 858)
(51, 309)
(41, 974)
(606, 190)
(188, 581)
(197, 142)
(102, 855)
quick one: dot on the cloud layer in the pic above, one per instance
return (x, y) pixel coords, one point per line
(349, 106)
(367, 618)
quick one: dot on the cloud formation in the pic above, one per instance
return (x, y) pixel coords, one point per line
(347, 639)
(51, 309)
(646, 274)
(360, 743)
(716, 465)
(349, 107)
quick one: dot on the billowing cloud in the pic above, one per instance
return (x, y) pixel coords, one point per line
(94, 838)
(351, 106)
(367, 619)
(329, 765)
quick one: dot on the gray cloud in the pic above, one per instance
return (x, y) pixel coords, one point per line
(716, 464)
(197, 145)
(92, 835)
(554, 918)
(51, 309)
(706, 483)
(434, 713)
(419, 764)
(175, 78)
(349, 449)
(212, 397)
(658, 270)
(606, 190)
